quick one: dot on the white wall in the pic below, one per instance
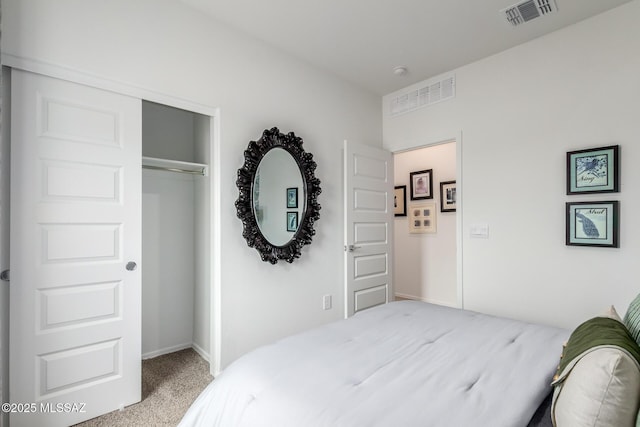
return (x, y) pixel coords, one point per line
(169, 48)
(424, 265)
(519, 113)
(168, 268)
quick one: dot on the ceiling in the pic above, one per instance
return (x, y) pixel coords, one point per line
(363, 40)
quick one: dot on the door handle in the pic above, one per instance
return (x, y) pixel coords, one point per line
(131, 266)
(4, 276)
(351, 248)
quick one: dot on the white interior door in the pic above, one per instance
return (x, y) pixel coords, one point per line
(368, 227)
(75, 234)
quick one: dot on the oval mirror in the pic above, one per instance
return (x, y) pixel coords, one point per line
(276, 193)
(278, 197)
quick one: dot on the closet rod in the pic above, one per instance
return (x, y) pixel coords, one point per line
(160, 168)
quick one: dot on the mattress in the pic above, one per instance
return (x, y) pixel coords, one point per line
(406, 363)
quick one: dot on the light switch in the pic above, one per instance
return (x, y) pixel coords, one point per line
(480, 231)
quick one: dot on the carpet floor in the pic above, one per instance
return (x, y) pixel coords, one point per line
(170, 383)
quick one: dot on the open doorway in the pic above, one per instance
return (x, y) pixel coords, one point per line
(425, 260)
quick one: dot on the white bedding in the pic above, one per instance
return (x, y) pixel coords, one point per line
(405, 363)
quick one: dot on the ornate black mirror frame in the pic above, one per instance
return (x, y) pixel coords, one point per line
(272, 138)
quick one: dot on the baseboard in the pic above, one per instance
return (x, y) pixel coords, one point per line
(166, 350)
(200, 351)
(430, 301)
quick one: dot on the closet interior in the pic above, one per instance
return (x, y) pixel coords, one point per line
(175, 230)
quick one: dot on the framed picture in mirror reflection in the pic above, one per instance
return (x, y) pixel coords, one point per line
(292, 197)
(292, 221)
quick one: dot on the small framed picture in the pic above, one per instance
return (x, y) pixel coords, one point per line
(594, 170)
(448, 196)
(400, 200)
(422, 218)
(421, 184)
(292, 221)
(292, 197)
(593, 224)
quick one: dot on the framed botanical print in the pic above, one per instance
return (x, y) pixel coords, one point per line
(593, 224)
(422, 184)
(594, 170)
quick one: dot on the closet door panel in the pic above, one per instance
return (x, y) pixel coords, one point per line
(76, 223)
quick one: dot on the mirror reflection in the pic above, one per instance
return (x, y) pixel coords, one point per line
(278, 196)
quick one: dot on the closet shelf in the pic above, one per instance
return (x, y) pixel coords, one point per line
(175, 166)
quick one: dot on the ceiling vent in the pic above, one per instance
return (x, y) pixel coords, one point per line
(529, 10)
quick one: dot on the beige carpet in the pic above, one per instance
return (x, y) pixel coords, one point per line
(170, 383)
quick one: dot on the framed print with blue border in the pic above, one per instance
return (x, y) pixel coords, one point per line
(292, 221)
(593, 224)
(292, 197)
(594, 170)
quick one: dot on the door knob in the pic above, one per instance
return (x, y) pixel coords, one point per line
(351, 248)
(131, 266)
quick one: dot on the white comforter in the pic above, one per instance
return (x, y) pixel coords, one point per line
(401, 364)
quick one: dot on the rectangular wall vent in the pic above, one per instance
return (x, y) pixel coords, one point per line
(431, 93)
(528, 10)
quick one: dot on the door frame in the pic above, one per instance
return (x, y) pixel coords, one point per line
(5, 181)
(457, 139)
(99, 82)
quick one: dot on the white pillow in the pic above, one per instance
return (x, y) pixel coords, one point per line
(602, 390)
(600, 387)
(611, 313)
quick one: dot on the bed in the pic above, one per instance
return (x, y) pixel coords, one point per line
(405, 363)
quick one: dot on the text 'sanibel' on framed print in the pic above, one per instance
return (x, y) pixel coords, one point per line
(595, 170)
(593, 224)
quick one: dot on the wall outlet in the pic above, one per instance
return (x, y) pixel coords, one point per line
(326, 302)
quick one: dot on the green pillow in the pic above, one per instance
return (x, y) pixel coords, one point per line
(632, 319)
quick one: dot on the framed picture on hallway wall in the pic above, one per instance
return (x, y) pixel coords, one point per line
(422, 217)
(421, 184)
(448, 196)
(400, 200)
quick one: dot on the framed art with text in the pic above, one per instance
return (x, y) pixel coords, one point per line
(593, 170)
(593, 224)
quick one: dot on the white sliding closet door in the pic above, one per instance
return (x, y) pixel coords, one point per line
(75, 234)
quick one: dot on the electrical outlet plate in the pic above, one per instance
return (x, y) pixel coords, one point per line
(326, 302)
